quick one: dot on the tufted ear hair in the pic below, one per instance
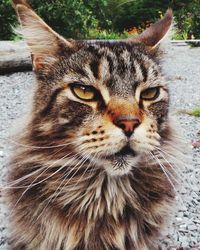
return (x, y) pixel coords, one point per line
(23, 2)
(153, 35)
(44, 43)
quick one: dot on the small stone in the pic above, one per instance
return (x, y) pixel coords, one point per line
(179, 219)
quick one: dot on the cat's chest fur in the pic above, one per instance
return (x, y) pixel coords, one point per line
(95, 211)
(101, 212)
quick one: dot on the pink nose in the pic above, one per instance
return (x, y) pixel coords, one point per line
(127, 124)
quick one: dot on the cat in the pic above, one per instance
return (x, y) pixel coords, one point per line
(94, 172)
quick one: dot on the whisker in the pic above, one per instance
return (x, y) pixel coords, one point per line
(33, 182)
(185, 183)
(177, 193)
(171, 156)
(52, 197)
(67, 174)
(84, 159)
(182, 138)
(80, 197)
(25, 177)
(170, 166)
(174, 146)
(37, 147)
(163, 169)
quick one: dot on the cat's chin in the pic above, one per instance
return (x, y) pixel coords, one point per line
(120, 163)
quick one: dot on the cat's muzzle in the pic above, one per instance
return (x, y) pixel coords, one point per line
(123, 153)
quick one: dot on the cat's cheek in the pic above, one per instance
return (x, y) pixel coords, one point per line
(159, 110)
(141, 147)
(145, 138)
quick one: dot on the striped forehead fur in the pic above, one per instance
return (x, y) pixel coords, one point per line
(117, 65)
(122, 58)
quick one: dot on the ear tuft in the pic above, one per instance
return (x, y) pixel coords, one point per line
(38, 35)
(43, 42)
(153, 35)
(22, 2)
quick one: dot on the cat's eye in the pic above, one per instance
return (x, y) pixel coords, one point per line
(84, 92)
(150, 94)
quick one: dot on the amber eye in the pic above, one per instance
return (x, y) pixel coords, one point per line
(150, 94)
(84, 92)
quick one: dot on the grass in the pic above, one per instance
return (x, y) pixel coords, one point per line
(194, 112)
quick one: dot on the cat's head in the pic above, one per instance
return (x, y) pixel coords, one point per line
(107, 99)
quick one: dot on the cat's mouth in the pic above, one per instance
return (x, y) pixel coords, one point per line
(123, 153)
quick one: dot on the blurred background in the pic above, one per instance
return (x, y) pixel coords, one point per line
(106, 19)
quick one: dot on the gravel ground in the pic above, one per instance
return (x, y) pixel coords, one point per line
(182, 67)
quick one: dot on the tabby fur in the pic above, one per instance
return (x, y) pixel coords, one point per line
(71, 189)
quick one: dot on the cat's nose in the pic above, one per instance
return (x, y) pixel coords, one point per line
(127, 124)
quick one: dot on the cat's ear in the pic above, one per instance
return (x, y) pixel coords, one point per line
(42, 40)
(153, 35)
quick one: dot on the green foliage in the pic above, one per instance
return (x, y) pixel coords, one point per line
(196, 112)
(99, 10)
(187, 18)
(68, 18)
(106, 34)
(180, 35)
(135, 13)
(139, 13)
(105, 19)
(7, 19)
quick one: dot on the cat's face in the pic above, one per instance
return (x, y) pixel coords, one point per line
(108, 100)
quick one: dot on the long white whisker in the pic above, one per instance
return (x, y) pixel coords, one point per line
(163, 169)
(52, 198)
(170, 166)
(83, 160)
(33, 182)
(41, 168)
(171, 156)
(87, 191)
(188, 183)
(32, 173)
(38, 147)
